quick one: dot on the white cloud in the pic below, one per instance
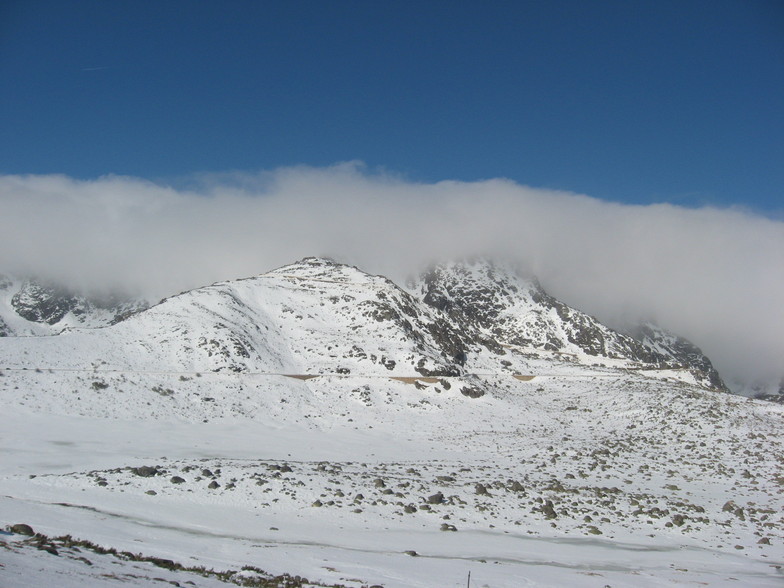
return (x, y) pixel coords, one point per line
(715, 276)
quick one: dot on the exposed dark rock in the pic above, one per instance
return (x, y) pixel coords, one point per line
(481, 489)
(44, 304)
(472, 391)
(548, 510)
(146, 471)
(47, 303)
(680, 351)
(22, 529)
(437, 498)
(479, 297)
(678, 520)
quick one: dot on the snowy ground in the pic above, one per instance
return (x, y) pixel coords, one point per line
(556, 481)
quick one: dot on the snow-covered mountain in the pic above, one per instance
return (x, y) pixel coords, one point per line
(679, 350)
(321, 422)
(505, 309)
(317, 316)
(35, 307)
(311, 317)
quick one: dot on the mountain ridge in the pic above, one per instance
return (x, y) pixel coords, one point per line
(459, 317)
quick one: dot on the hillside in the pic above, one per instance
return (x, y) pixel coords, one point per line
(325, 423)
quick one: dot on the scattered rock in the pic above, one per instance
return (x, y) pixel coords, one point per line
(437, 498)
(22, 529)
(593, 530)
(548, 510)
(145, 471)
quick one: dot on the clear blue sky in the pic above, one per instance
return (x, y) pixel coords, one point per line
(635, 101)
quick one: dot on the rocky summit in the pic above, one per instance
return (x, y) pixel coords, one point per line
(319, 426)
(31, 306)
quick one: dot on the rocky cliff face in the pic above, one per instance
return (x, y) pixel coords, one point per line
(681, 351)
(45, 304)
(501, 307)
(36, 307)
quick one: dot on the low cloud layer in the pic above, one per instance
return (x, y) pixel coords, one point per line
(715, 276)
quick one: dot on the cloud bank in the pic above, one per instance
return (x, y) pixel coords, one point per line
(714, 276)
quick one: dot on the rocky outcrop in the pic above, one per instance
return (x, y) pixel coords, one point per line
(41, 305)
(499, 305)
(45, 304)
(682, 352)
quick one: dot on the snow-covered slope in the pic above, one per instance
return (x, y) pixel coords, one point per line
(311, 317)
(322, 422)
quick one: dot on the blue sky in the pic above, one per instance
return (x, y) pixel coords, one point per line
(629, 101)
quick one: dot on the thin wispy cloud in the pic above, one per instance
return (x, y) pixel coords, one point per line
(713, 275)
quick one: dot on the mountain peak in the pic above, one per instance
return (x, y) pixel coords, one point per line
(325, 269)
(34, 306)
